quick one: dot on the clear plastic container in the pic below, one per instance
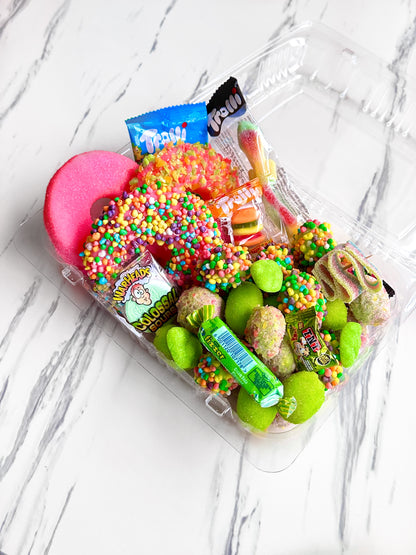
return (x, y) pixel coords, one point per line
(342, 125)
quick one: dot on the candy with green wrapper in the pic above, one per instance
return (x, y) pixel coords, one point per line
(247, 369)
(287, 407)
(311, 352)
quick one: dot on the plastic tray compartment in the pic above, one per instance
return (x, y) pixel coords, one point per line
(341, 124)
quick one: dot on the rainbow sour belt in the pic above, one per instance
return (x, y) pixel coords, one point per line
(344, 273)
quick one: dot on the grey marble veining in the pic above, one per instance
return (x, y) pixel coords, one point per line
(36, 65)
(238, 518)
(76, 353)
(376, 192)
(13, 11)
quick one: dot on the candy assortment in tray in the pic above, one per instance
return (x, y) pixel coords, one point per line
(223, 242)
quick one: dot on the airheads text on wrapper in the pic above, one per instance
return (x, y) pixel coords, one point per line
(153, 130)
(144, 296)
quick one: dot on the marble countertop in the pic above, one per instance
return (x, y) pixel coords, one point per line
(96, 457)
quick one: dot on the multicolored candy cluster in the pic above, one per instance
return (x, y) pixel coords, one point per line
(274, 321)
(209, 374)
(312, 241)
(195, 167)
(226, 267)
(161, 211)
(147, 215)
(280, 252)
(300, 291)
(332, 376)
(331, 341)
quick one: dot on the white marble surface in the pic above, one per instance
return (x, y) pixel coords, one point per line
(95, 456)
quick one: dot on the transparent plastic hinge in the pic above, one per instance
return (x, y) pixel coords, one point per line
(72, 275)
(350, 55)
(218, 404)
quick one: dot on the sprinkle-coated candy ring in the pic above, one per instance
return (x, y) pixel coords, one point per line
(194, 167)
(160, 209)
(145, 216)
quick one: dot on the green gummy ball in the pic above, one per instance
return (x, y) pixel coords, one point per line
(250, 412)
(240, 304)
(350, 343)
(267, 275)
(160, 341)
(184, 347)
(309, 392)
(337, 315)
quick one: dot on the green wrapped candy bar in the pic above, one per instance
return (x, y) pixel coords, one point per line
(244, 366)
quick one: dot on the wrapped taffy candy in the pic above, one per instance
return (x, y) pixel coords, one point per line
(236, 358)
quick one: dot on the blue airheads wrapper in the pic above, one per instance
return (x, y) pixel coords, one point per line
(153, 130)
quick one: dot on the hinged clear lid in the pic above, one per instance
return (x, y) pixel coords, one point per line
(342, 123)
